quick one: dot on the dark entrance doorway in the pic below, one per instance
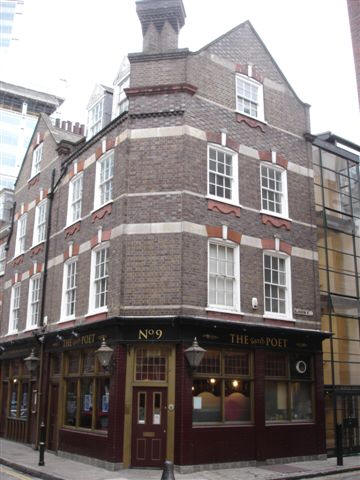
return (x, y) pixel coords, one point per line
(53, 414)
(149, 426)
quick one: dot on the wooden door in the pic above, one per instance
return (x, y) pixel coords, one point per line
(149, 424)
(53, 416)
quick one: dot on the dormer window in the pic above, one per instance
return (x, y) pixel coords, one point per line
(36, 160)
(249, 97)
(95, 118)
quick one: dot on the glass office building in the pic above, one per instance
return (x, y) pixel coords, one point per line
(337, 197)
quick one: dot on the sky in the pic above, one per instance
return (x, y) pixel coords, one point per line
(65, 47)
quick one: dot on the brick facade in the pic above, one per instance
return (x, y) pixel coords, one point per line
(160, 219)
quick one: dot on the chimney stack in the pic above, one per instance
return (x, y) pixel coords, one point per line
(161, 21)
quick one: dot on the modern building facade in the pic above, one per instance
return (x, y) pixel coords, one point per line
(19, 110)
(190, 215)
(10, 12)
(354, 19)
(337, 197)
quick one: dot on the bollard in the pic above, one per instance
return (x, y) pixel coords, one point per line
(168, 472)
(42, 445)
(339, 445)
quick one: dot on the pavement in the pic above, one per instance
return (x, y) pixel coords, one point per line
(25, 459)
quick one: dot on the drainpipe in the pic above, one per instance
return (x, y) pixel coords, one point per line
(39, 418)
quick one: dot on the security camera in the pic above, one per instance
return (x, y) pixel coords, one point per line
(254, 303)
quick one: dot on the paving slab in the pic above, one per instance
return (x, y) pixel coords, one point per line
(25, 459)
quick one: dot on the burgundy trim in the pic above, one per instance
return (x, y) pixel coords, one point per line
(265, 156)
(70, 231)
(161, 89)
(275, 221)
(250, 122)
(269, 244)
(99, 214)
(34, 180)
(214, 232)
(225, 316)
(223, 208)
(37, 249)
(18, 260)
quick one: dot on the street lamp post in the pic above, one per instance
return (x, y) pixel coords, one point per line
(32, 362)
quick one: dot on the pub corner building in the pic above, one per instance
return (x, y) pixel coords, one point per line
(160, 290)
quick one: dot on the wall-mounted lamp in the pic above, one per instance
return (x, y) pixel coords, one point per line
(74, 334)
(59, 337)
(31, 361)
(104, 354)
(194, 355)
(2, 349)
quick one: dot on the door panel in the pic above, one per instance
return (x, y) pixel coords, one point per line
(149, 425)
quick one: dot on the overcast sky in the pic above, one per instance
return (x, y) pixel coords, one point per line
(65, 47)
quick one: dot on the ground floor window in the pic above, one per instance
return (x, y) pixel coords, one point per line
(87, 390)
(18, 379)
(289, 388)
(222, 388)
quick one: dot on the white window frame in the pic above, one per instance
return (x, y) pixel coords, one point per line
(288, 293)
(95, 122)
(34, 299)
(74, 202)
(240, 96)
(2, 258)
(69, 289)
(14, 308)
(234, 177)
(101, 183)
(39, 234)
(36, 160)
(21, 235)
(235, 308)
(93, 309)
(284, 194)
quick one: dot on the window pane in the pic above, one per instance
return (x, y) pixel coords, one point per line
(14, 399)
(86, 400)
(73, 362)
(102, 402)
(151, 364)
(207, 400)
(210, 363)
(276, 399)
(237, 364)
(71, 403)
(275, 365)
(237, 400)
(301, 401)
(24, 400)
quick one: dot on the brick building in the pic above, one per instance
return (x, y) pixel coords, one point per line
(190, 214)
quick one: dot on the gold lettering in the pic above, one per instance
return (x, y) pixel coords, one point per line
(142, 334)
(232, 337)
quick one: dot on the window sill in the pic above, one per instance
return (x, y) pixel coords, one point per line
(96, 209)
(276, 215)
(13, 332)
(88, 431)
(37, 244)
(223, 424)
(31, 179)
(68, 225)
(280, 423)
(255, 119)
(233, 203)
(66, 319)
(278, 317)
(30, 328)
(97, 312)
(224, 310)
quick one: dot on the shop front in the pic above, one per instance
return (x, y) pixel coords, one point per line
(256, 394)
